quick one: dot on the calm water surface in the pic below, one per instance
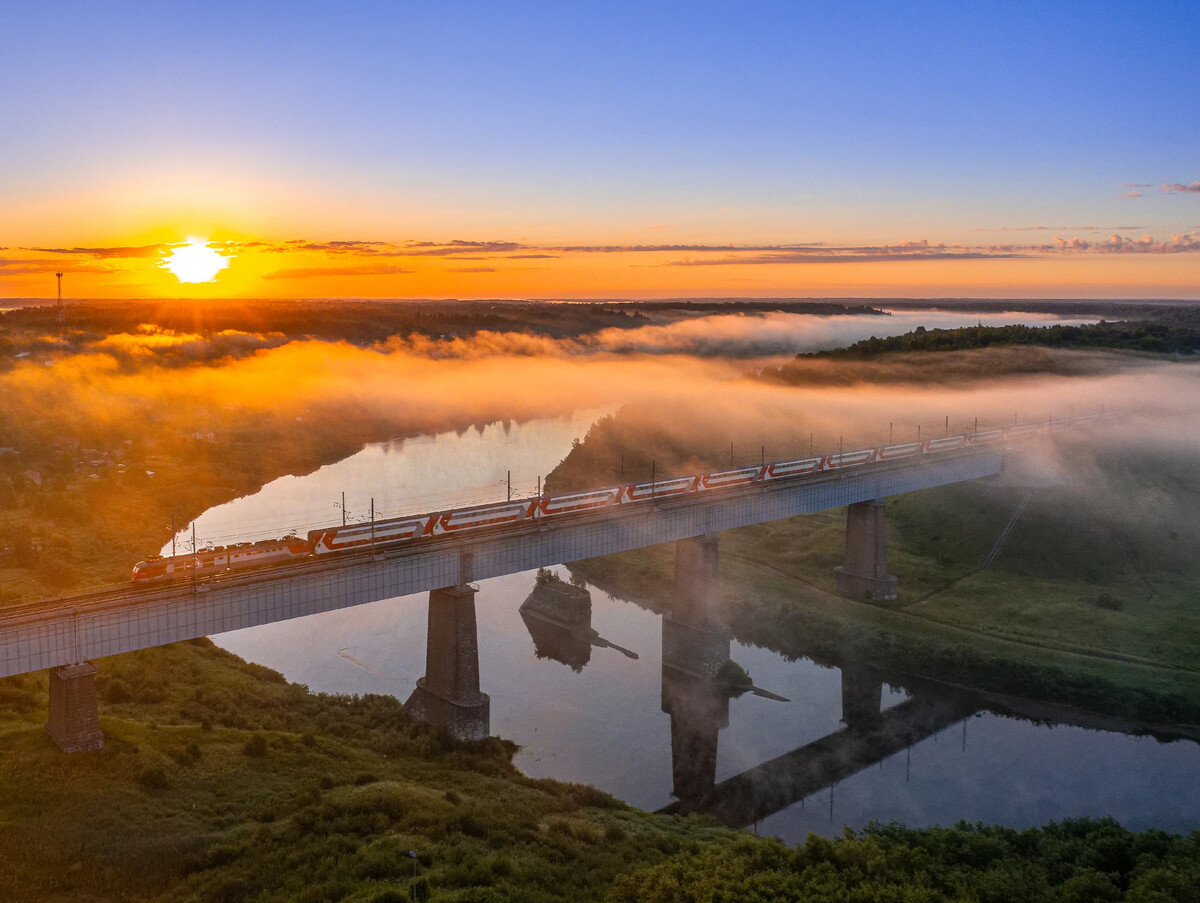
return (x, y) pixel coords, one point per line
(604, 724)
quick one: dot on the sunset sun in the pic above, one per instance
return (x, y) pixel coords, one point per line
(195, 261)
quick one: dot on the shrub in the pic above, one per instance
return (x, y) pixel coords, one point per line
(117, 691)
(391, 895)
(256, 746)
(153, 778)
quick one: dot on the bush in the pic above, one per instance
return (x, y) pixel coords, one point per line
(256, 746)
(391, 896)
(153, 778)
(117, 691)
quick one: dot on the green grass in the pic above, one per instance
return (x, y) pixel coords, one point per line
(220, 781)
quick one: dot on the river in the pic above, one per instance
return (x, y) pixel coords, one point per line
(600, 719)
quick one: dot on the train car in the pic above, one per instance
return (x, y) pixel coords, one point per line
(725, 479)
(579, 502)
(946, 443)
(385, 532)
(1022, 431)
(466, 519)
(785, 469)
(985, 437)
(222, 558)
(905, 450)
(848, 459)
(659, 489)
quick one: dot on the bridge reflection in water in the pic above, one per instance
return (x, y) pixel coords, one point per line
(699, 680)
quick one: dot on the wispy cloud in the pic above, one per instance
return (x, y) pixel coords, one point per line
(909, 250)
(28, 266)
(104, 253)
(925, 250)
(1058, 228)
(452, 248)
(1180, 188)
(317, 272)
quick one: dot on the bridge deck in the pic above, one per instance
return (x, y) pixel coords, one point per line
(68, 630)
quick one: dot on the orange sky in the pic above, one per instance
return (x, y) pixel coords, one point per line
(1106, 267)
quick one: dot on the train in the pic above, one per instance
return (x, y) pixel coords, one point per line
(380, 534)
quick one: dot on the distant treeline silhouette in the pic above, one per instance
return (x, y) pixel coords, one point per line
(1143, 336)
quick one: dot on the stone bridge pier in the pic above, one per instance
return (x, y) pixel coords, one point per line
(864, 571)
(74, 717)
(696, 596)
(694, 639)
(448, 694)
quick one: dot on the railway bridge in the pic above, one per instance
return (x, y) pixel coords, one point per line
(65, 634)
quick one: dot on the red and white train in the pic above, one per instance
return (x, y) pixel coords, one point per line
(507, 515)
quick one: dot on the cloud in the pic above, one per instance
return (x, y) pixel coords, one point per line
(452, 248)
(909, 250)
(31, 266)
(642, 249)
(471, 270)
(1055, 228)
(104, 253)
(319, 272)
(924, 250)
(1180, 188)
(1118, 244)
(1132, 194)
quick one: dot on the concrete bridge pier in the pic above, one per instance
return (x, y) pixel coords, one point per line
(697, 596)
(862, 696)
(74, 718)
(448, 694)
(864, 571)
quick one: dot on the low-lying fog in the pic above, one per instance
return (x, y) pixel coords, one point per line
(687, 377)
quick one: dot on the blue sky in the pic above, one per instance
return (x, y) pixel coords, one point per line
(776, 122)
